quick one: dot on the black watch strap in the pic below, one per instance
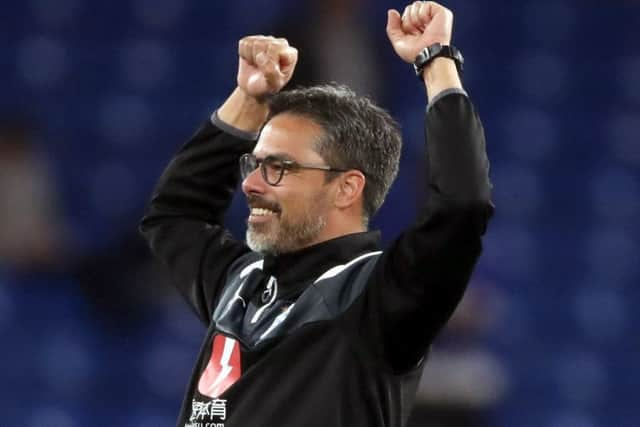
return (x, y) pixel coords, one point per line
(435, 50)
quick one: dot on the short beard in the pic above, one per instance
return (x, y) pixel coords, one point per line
(284, 236)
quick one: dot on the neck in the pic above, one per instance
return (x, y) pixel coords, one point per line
(340, 225)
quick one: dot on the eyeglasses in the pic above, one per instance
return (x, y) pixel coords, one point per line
(273, 168)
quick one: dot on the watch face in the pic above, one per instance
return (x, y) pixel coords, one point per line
(435, 49)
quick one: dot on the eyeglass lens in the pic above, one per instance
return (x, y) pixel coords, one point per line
(271, 168)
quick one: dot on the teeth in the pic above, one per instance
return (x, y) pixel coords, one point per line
(261, 212)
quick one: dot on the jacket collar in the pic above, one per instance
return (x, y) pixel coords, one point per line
(294, 270)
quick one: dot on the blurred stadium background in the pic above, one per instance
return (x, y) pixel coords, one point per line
(96, 96)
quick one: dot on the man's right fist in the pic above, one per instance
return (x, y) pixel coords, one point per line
(266, 65)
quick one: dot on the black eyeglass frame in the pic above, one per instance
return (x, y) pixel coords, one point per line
(249, 163)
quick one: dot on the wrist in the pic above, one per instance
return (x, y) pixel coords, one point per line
(441, 74)
(243, 111)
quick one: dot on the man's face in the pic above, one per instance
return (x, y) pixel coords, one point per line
(292, 214)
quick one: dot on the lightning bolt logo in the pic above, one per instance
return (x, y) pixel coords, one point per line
(223, 368)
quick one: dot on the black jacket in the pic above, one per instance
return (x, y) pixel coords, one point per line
(334, 334)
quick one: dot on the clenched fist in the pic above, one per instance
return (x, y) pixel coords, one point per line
(266, 65)
(422, 24)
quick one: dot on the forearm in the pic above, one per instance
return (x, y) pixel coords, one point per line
(441, 74)
(243, 112)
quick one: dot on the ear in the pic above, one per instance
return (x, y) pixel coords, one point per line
(350, 187)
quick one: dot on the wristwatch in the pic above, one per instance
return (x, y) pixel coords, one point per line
(435, 50)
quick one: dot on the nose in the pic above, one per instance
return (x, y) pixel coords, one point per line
(254, 183)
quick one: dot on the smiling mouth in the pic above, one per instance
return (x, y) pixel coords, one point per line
(262, 212)
(261, 216)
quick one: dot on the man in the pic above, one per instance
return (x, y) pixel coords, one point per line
(309, 323)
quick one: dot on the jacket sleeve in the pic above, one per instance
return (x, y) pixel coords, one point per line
(183, 221)
(419, 280)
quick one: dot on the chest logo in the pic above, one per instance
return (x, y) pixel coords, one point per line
(223, 368)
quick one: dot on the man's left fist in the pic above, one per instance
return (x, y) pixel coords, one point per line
(266, 64)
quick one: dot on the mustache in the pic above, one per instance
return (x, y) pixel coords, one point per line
(258, 202)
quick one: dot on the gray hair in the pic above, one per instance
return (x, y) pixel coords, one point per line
(357, 135)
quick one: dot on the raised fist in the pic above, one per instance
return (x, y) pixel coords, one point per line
(422, 24)
(266, 65)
